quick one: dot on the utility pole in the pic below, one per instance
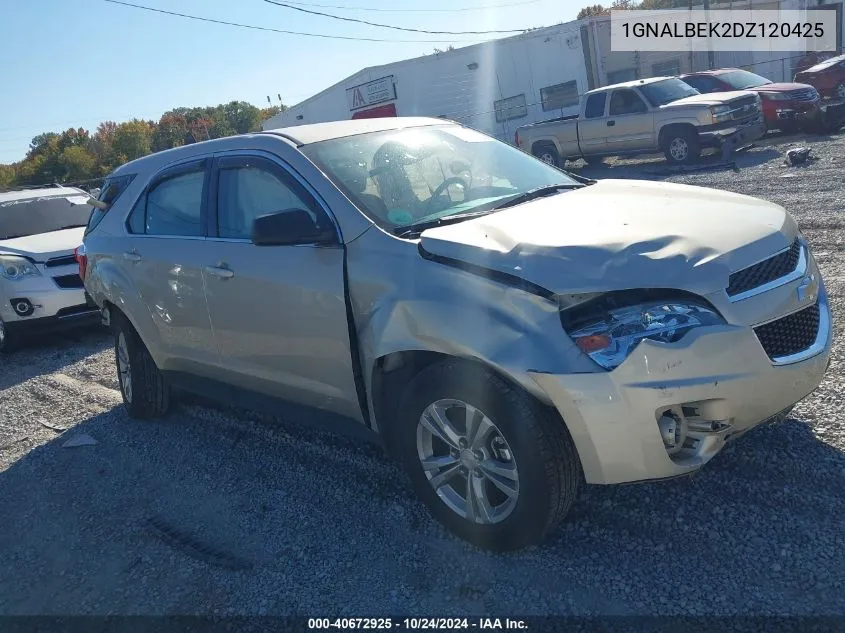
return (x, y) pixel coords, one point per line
(711, 61)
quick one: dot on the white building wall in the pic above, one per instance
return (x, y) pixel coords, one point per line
(464, 84)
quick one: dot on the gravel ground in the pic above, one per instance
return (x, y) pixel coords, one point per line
(216, 512)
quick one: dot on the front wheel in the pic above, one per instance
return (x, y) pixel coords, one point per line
(145, 392)
(681, 146)
(839, 91)
(494, 466)
(548, 154)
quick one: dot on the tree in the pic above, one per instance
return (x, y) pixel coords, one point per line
(132, 139)
(76, 154)
(171, 131)
(77, 163)
(592, 11)
(7, 176)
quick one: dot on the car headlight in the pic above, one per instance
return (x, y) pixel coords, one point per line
(609, 339)
(15, 268)
(775, 96)
(720, 113)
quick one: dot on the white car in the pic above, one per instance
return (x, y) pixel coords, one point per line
(40, 287)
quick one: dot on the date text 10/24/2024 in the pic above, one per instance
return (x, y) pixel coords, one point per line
(417, 624)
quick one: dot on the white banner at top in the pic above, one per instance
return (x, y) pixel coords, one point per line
(684, 30)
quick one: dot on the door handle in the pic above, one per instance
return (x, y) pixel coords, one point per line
(219, 272)
(132, 257)
(611, 123)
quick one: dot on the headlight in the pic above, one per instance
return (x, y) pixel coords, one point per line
(609, 339)
(775, 96)
(720, 113)
(14, 268)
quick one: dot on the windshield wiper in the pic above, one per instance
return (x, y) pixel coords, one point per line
(533, 194)
(419, 227)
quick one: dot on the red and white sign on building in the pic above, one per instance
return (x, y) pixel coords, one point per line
(371, 93)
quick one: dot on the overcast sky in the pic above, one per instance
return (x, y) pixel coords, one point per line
(74, 63)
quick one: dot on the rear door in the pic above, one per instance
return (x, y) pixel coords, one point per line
(592, 127)
(164, 254)
(630, 122)
(279, 312)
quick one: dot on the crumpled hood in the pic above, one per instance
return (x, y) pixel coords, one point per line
(710, 98)
(621, 234)
(43, 246)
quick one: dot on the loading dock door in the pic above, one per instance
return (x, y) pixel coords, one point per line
(387, 110)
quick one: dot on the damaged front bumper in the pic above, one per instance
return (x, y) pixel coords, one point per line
(731, 133)
(717, 382)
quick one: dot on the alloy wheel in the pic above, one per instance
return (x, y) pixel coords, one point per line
(679, 149)
(547, 158)
(840, 90)
(467, 461)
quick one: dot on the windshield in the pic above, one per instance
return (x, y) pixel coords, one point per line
(402, 177)
(32, 216)
(662, 92)
(742, 79)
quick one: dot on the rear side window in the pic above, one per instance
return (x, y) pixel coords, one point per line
(595, 105)
(172, 205)
(112, 189)
(702, 83)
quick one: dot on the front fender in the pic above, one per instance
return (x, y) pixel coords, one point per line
(424, 305)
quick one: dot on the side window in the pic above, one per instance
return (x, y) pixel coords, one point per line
(173, 206)
(595, 105)
(626, 101)
(253, 187)
(703, 84)
(112, 188)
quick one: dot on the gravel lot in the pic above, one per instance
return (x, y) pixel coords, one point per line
(216, 512)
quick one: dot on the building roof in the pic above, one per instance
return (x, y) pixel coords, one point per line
(316, 132)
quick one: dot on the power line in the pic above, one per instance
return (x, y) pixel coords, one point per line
(390, 10)
(283, 31)
(389, 26)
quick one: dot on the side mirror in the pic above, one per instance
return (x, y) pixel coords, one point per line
(289, 227)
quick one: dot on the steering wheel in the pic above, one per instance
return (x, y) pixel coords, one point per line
(453, 180)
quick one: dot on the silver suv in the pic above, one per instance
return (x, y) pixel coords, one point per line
(506, 329)
(40, 288)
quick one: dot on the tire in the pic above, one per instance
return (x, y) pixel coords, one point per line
(548, 154)
(839, 90)
(594, 161)
(7, 344)
(526, 440)
(681, 145)
(145, 392)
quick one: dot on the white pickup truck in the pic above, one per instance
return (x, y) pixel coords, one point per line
(643, 116)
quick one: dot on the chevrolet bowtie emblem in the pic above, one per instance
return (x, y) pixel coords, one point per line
(806, 285)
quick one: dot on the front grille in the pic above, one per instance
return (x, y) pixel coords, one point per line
(69, 281)
(804, 94)
(744, 108)
(765, 271)
(64, 260)
(791, 334)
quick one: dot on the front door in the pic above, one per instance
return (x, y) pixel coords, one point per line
(278, 312)
(630, 123)
(164, 255)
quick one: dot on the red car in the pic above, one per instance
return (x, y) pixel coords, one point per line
(828, 77)
(786, 106)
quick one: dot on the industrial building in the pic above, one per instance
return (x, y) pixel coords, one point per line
(499, 85)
